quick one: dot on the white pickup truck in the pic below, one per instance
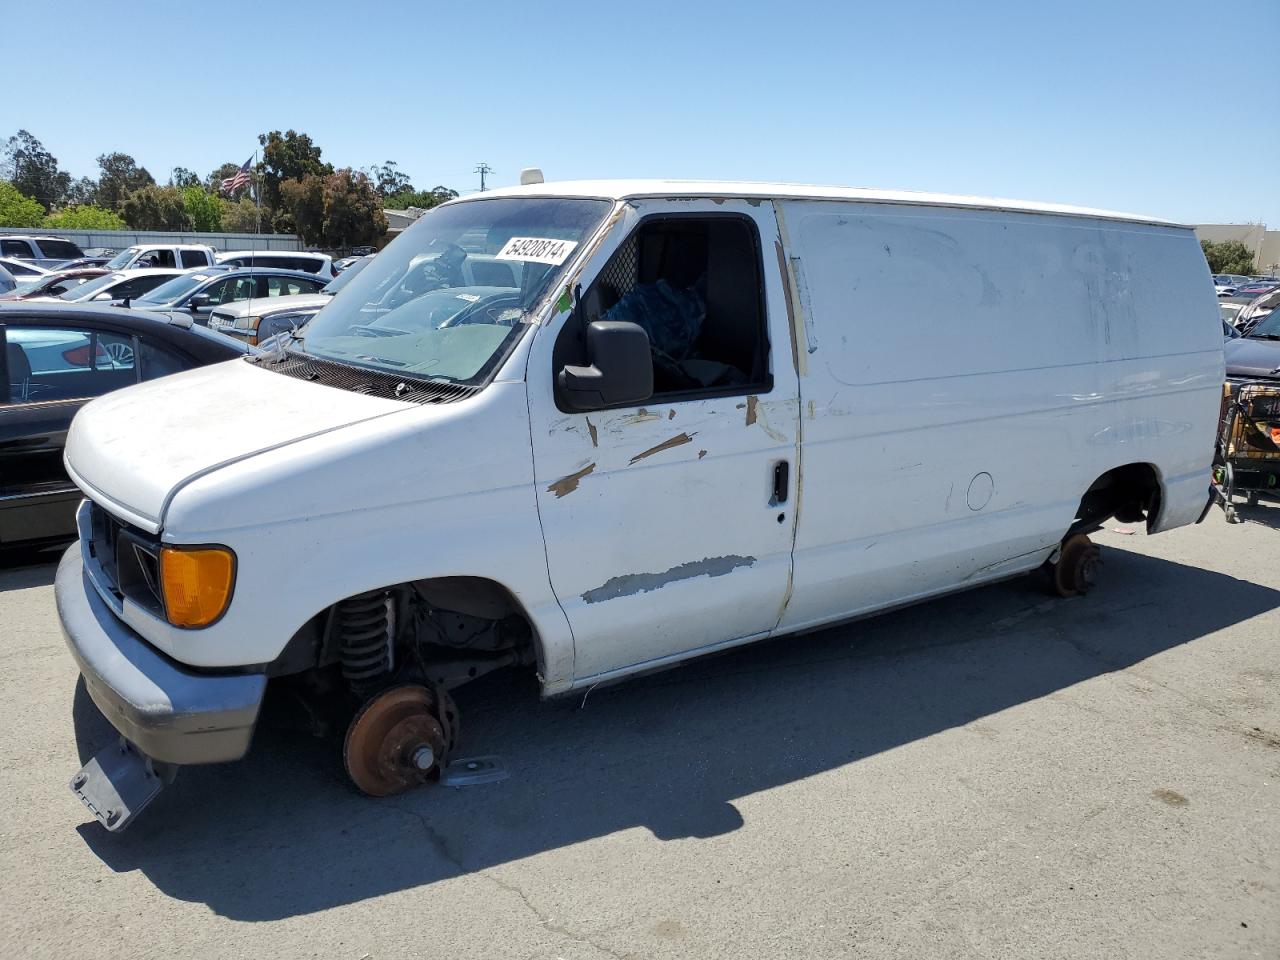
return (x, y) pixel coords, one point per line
(181, 256)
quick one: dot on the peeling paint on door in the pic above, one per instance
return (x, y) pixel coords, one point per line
(591, 429)
(566, 485)
(632, 583)
(752, 401)
(676, 441)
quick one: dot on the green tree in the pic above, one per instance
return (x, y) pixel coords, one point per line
(121, 176)
(302, 209)
(34, 170)
(156, 208)
(287, 156)
(182, 178)
(352, 210)
(203, 209)
(241, 216)
(423, 199)
(81, 192)
(85, 217)
(388, 180)
(1227, 256)
(17, 209)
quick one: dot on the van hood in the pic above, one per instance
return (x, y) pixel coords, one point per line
(133, 449)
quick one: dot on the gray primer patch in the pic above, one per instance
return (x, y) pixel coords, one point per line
(632, 583)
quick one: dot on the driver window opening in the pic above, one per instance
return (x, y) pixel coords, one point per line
(694, 286)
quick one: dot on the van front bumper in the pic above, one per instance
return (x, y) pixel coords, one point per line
(169, 713)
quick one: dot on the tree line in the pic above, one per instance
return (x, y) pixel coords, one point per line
(291, 190)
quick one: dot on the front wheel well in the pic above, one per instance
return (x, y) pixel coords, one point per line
(1130, 493)
(448, 630)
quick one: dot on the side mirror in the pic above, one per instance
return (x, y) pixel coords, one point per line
(199, 302)
(620, 371)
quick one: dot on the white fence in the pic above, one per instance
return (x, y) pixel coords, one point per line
(119, 239)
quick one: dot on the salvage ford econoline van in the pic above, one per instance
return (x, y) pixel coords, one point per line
(592, 429)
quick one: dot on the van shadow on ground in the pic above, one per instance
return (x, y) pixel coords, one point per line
(281, 834)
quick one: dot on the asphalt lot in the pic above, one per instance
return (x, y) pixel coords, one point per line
(996, 774)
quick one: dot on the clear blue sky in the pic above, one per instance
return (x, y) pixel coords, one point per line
(1127, 104)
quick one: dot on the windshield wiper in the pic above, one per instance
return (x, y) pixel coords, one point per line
(1263, 336)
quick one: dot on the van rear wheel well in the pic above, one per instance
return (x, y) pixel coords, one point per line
(1130, 493)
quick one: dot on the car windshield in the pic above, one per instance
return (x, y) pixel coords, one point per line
(1266, 328)
(345, 277)
(450, 295)
(122, 258)
(87, 291)
(171, 291)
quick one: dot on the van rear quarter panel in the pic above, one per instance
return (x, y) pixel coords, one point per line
(967, 374)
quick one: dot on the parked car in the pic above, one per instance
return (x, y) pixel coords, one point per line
(53, 284)
(53, 358)
(563, 483)
(1257, 308)
(7, 281)
(117, 286)
(258, 321)
(1255, 289)
(22, 269)
(42, 251)
(340, 265)
(84, 262)
(320, 263)
(199, 291)
(172, 255)
(1256, 355)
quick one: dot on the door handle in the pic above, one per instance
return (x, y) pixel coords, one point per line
(781, 482)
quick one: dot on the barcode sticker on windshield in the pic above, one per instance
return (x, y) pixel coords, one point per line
(537, 250)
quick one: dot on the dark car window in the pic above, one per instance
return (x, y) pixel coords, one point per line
(194, 258)
(60, 249)
(158, 361)
(137, 286)
(290, 286)
(64, 363)
(15, 248)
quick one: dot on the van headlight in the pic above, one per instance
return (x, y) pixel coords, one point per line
(196, 583)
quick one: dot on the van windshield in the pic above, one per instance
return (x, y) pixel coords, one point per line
(449, 297)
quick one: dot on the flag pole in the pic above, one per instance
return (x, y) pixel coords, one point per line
(257, 193)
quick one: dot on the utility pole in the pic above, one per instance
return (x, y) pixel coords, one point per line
(483, 169)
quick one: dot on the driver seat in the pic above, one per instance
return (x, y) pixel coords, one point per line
(19, 371)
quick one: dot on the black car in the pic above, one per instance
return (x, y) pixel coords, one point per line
(54, 358)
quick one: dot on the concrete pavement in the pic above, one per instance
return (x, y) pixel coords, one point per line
(995, 774)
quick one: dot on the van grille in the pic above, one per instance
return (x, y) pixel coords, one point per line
(128, 558)
(372, 383)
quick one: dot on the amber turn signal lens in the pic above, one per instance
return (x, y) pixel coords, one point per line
(197, 584)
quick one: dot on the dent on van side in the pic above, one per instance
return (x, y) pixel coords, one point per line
(588, 430)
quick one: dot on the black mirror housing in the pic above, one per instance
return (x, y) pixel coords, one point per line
(620, 370)
(198, 302)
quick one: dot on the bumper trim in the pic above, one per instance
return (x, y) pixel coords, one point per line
(170, 714)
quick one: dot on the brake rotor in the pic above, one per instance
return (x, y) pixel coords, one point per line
(396, 741)
(1076, 571)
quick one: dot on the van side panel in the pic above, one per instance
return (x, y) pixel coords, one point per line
(967, 374)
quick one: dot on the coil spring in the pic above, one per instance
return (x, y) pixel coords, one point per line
(366, 624)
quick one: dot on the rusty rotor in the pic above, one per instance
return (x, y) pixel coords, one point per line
(397, 740)
(1076, 571)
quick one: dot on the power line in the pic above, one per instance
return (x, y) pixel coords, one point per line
(483, 169)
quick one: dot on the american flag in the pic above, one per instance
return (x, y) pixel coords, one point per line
(232, 184)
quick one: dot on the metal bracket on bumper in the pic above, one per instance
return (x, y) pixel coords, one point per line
(118, 782)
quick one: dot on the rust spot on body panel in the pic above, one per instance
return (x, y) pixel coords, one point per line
(566, 485)
(752, 402)
(640, 416)
(701, 454)
(676, 441)
(591, 429)
(672, 414)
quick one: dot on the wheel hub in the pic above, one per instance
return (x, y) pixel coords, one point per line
(396, 741)
(1076, 571)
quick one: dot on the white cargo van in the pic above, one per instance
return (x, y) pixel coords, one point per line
(592, 429)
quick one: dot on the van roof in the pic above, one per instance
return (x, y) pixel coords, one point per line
(642, 189)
